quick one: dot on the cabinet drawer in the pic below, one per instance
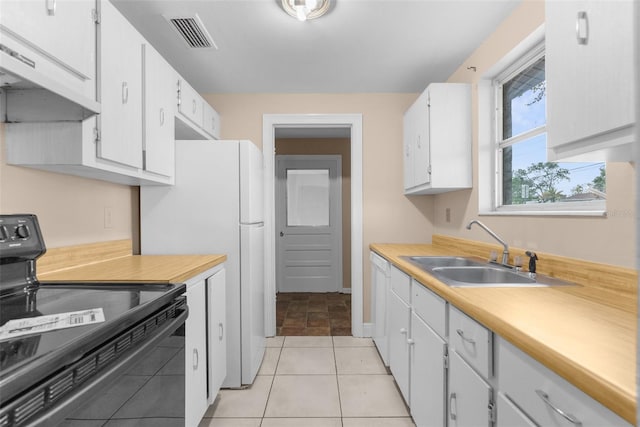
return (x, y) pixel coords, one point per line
(430, 307)
(472, 341)
(401, 284)
(537, 390)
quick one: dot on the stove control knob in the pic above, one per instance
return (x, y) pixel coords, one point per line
(3, 232)
(22, 232)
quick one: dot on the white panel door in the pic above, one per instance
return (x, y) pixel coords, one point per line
(309, 224)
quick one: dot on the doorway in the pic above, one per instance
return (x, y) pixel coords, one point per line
(308, 223)
(352, 123)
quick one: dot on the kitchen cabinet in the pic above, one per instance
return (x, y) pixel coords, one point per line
(196, 119)
(380, 271)
(543, 395)
(470, 396)
(48, 60)
(428, 374)
(217, 360)
(399, 316)
(590, 79)
(110, 146)
(196, 401)
(120, 130)
(159, 112)
(437, 140)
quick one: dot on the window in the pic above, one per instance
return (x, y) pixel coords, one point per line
(525, 179)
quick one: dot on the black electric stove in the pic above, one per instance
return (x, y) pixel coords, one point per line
(40, 372)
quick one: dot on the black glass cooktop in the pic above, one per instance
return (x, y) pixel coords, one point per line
(123, 305)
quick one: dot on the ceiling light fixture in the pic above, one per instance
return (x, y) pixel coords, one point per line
(306, 9)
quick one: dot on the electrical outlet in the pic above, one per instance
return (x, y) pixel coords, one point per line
(108, 218)
(447, 214)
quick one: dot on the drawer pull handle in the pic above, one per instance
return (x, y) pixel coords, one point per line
(220, 331)
(452, 398)
(545, 398)
(469, 340)
(582, 28)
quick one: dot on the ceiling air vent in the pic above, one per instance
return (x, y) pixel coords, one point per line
(192, 31)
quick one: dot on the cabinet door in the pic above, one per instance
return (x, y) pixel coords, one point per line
(64, 29)
(196, 355)
(399, 315)
(379, 291)
(409, 135)
(121, 89)
(190, 103)
(159, 106)
(217, 333)
(211, 121)
(469, 395)
(428, 375)
(589, 67)
(421, 151)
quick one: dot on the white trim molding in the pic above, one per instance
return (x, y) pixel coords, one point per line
(270, 122)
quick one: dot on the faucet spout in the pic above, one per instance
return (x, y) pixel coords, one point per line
(505, 252)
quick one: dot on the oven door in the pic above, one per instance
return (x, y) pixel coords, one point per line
(143, 387)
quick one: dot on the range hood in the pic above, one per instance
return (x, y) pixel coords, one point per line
(30, 95)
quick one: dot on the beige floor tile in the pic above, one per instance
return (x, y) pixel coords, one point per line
(358, 360)
(274, 342)
(308, 342)
(352, 342)
(306, 361)
(298, 422)
(230, 422)
(370, 396)
(249, 403)
(377, 422)
(293, 396)
(269, 361)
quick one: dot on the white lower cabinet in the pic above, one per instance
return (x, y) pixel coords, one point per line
(216, 287)
(196, 401)
(470, 396)
(379, 291)
(545, 397)
(428, 375)
(399, 315)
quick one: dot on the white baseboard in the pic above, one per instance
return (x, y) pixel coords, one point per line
(367, 330)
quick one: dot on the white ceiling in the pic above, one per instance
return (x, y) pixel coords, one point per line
(360, 46)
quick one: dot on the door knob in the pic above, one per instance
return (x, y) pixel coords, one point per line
(281, 234)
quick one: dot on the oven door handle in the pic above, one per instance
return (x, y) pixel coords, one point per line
(98, 383)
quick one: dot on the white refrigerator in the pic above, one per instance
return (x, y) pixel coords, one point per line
(216, 207)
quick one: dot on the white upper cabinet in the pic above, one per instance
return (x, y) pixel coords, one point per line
(196, 119)
(437, 140)
(590, 79)
(159, 112)
(121, 89)
(50, 45)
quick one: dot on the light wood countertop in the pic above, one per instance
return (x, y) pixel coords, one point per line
(138, 268)
(589, 341)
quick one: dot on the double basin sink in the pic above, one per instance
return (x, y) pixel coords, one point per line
(468, 272)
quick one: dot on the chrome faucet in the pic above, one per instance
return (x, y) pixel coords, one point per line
(505, 252)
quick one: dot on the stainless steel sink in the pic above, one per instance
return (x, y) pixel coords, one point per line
(468, 272)
(431, 262)
(483, 276)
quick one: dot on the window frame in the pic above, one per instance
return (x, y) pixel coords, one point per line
(497, 144)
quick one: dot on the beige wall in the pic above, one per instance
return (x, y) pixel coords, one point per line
(70, 209)
(609, 240)
(388, 216)
(342, 147)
